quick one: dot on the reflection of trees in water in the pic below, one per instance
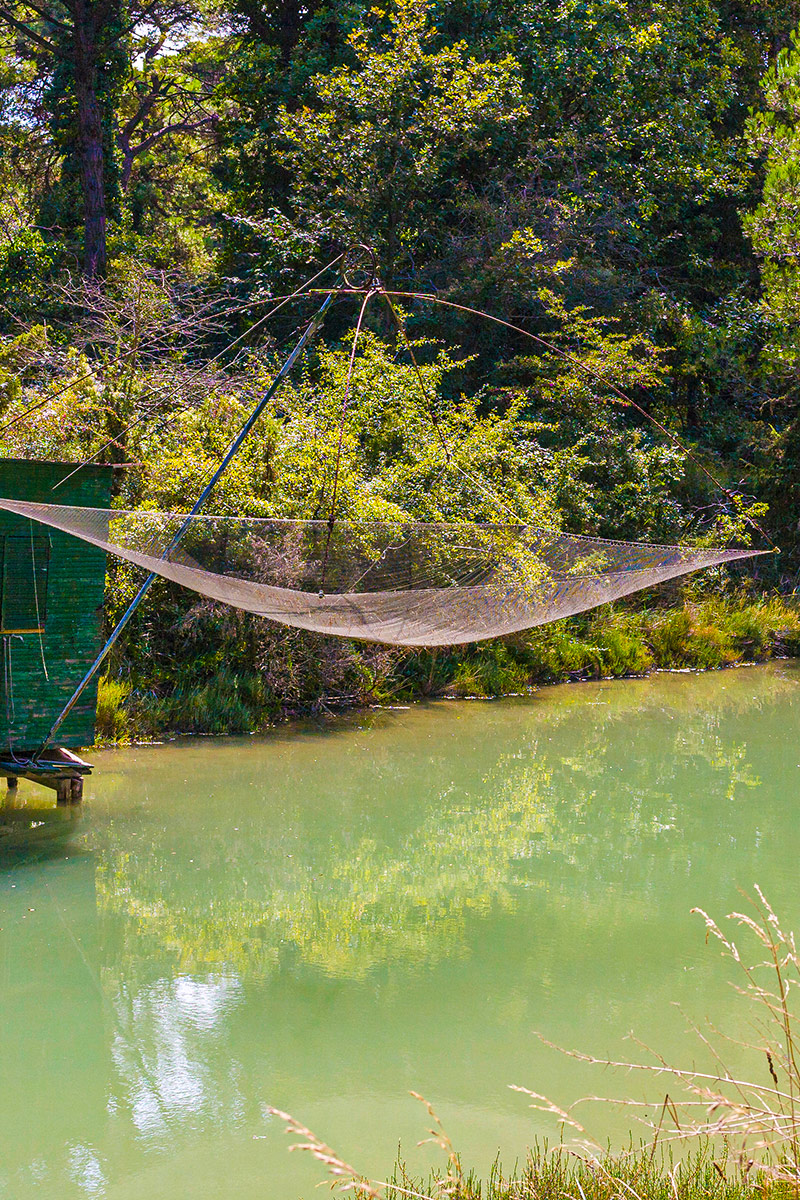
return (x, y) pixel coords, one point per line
(615, 789)
(370, 902)
(165, 1037)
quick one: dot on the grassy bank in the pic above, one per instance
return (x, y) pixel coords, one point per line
(305, 673)
(559, 1175)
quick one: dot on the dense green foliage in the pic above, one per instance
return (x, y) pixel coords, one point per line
(619, 177)
(273, 673)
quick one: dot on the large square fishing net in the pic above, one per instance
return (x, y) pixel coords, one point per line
(404, 583)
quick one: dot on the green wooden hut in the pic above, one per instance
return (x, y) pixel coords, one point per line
(51, 596)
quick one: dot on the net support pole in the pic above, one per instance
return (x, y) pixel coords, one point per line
(309, 332)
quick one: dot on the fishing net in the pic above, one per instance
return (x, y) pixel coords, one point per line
(403, 583)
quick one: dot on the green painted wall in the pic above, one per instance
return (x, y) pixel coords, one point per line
(38, 673)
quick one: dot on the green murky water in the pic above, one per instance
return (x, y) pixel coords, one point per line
(326, 918)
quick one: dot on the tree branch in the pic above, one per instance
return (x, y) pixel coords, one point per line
(165, 130)
(159, 89)
(143, 15)
(100, 12)
(27, 32)
(48, 17)
(130, 153)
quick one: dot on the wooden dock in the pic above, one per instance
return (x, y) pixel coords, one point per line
(62, 771)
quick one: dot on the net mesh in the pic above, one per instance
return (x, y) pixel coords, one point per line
(403, 583)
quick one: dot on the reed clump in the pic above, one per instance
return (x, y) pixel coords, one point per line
(553, 1173)
(112, 722)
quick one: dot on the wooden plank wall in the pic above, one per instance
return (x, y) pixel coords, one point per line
(30, 696)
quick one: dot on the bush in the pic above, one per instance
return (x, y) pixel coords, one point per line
(111, 723)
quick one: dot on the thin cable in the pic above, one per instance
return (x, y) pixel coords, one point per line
(36, 599)
(598, 375)
(118, 358)
(345, 402)
(9, 696)
(164, 421)
(593, 374)
(54, 395)
(302, 290)
(11, 709)
(402, 331)
(128, 353)
(481, 484)
(311, 329)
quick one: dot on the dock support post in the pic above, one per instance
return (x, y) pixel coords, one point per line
(63, 773)
(69, 790)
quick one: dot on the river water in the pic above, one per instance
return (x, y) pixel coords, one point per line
(327, 917)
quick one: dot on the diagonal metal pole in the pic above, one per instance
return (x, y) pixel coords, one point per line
(310, 331)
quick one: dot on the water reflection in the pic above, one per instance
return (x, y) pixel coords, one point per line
(54, 1063)
(164, 1052)
(382, 845)
(32, 828)
(325, 918)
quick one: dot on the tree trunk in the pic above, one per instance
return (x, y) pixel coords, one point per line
(90, 143)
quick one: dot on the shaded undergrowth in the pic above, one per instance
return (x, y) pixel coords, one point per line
(299, 673)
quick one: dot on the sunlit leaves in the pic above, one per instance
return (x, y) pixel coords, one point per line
(385, 142)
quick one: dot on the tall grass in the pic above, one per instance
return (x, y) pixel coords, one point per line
(111, 722)
(548, 1173)
(612, 642)
(556, 1174)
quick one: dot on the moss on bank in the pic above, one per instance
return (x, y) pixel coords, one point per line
(304, 673)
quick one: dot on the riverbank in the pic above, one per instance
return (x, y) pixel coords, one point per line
(306, 673)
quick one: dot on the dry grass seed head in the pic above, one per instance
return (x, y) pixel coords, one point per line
(438, 1137)
(345, 1177)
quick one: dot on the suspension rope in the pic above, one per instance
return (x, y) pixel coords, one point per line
(598, 375)
(311, 329)
(302, 290)
(281, 301)
(307, 290)
(340, 446)
(8, 689)
(481, 484)
(36, 600)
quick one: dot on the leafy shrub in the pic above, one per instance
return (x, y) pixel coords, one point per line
(111, 723)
